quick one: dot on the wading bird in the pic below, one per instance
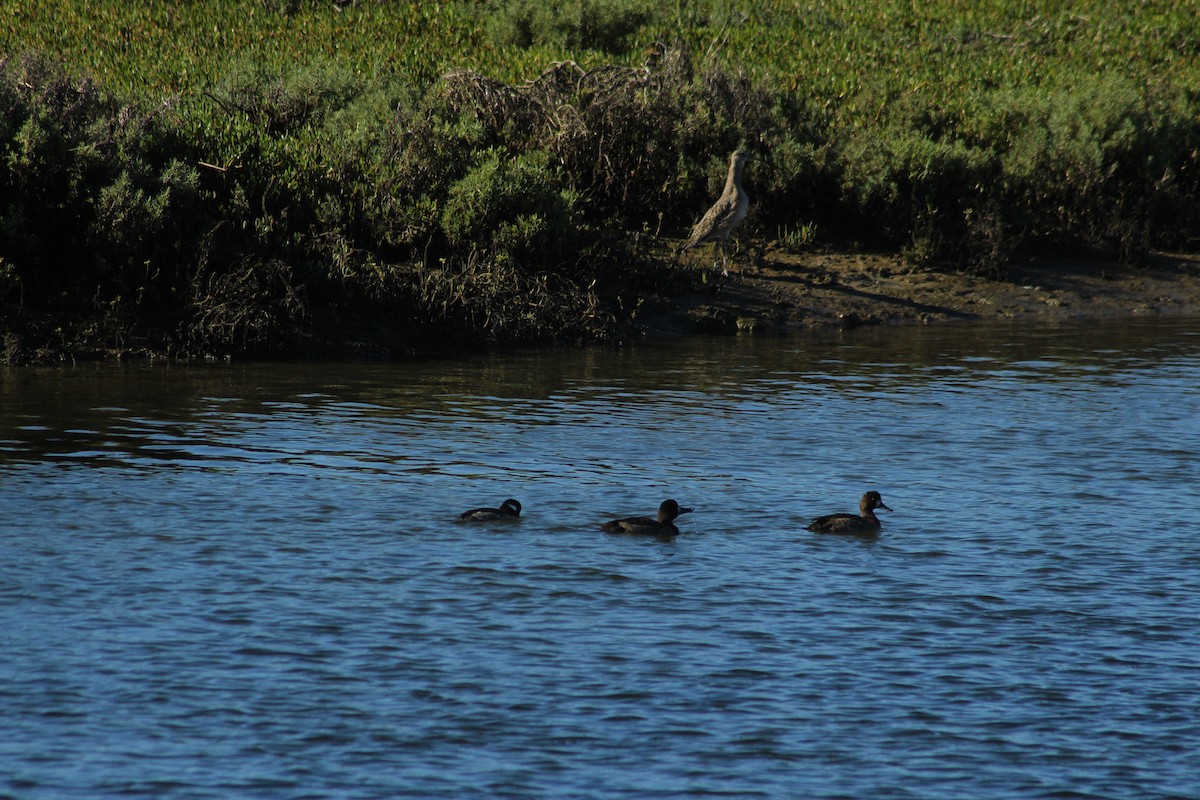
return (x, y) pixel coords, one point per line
(725, 215)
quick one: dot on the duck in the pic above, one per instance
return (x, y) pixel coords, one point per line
(863, 522)
(662, 526)
(509, 509)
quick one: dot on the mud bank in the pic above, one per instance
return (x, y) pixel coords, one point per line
(782, 291)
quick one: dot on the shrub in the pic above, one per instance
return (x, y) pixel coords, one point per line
(1094, 162)
(96, 208)
(923, 192)
(253, 307)
(275, 101)
(511, 208)
(638, 145)
(605, 25)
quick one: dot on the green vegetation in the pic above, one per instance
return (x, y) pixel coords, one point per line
(258, 176)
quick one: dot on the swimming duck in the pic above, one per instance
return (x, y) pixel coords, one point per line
(852, 523)
(663, 526)
(509, 509)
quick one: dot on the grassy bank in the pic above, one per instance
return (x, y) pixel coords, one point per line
(278, 175)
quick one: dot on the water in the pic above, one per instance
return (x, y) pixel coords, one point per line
(246, 581)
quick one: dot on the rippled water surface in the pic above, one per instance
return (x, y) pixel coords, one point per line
(247, 581)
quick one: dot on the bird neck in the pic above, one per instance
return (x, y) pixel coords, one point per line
(733, 181)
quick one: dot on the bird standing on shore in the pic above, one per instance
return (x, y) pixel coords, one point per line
(725, 215)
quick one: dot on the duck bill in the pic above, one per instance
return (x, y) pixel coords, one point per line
(885, 508)
(683, 511)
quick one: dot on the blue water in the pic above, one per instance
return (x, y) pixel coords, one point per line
(247, 582)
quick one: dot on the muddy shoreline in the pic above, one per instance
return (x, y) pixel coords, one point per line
(782, 292)
(779, 292)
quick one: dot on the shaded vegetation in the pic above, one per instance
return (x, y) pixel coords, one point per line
(397, 174)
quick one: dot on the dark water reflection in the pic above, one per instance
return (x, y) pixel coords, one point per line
(245, 581)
